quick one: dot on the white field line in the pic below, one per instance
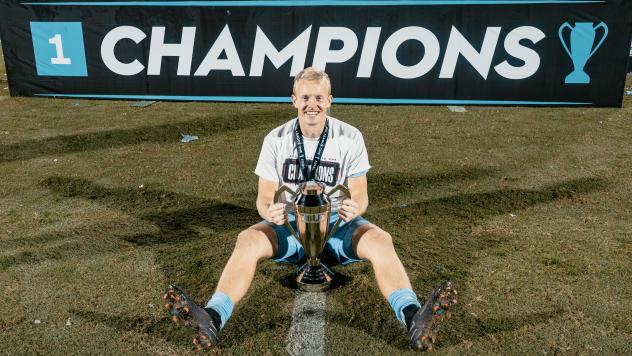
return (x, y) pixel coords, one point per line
(307, 333)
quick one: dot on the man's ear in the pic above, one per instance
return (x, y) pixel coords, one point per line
(293, 100)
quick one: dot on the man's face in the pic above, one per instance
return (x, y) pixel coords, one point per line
(312, 100)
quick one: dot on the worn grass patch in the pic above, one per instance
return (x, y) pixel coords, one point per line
(526, 209)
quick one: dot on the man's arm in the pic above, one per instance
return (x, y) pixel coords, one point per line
(359, 201)
(274, 213)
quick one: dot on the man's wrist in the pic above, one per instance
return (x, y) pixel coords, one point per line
(263, 215)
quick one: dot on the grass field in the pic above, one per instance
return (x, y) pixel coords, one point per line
(527, 210)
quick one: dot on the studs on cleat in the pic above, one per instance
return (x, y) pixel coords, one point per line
(426, 342)
(203, 342)
(179, 307)
(428, 319)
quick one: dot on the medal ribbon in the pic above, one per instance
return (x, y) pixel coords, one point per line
(308, 174)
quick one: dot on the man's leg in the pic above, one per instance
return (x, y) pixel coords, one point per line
(376, 245)
(253, 244)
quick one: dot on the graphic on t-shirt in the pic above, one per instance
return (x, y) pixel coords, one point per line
(327, 172)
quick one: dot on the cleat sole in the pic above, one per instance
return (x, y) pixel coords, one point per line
(443, 298)
(178, 308)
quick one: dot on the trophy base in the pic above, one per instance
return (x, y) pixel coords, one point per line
(314, 278)
(577, 77)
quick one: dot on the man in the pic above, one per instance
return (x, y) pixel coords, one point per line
(313, 146)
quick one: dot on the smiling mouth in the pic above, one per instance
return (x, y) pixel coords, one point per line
(313, 111)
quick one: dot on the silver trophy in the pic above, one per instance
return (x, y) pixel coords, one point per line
(312, 207)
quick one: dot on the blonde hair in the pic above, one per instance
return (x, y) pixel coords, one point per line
(315, 75)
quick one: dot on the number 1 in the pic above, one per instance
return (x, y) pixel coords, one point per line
(60, 59)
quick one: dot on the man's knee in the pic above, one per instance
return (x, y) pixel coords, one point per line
(380, 238)
(375, 243)
(254, 243)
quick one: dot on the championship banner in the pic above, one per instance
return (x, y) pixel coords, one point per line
(446, 52)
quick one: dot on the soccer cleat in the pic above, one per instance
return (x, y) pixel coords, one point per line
(424, 324)
(182, 308)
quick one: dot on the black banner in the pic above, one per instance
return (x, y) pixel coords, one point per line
(497, 52)
(630, 60)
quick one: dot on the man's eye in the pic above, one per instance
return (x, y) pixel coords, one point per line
(319, 98)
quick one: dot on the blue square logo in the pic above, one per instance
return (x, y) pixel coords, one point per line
(59, 49)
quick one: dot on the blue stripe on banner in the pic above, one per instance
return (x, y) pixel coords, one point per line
(284, 99)
(292, 3)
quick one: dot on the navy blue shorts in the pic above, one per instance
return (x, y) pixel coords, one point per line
(339, 246)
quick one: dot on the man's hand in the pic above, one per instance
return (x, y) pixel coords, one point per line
(348, 210)
(277, 214)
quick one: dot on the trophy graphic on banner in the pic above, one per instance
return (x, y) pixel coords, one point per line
(581, 48)
(313, 211)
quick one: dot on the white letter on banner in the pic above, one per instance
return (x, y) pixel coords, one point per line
(224, 43)
(323, 54)
(182, 50)
(107, 50)
(530, 57)
(457, 44)
(297, 50)
(368, 52)
(431, 52)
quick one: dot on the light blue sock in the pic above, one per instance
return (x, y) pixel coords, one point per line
(400, 299)
(223, 305)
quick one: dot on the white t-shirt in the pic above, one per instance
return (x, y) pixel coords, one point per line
(344, 156)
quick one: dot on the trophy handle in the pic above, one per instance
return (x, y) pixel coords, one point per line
(605, 34)
(277, 195)
(560, 33)
(347, 194)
